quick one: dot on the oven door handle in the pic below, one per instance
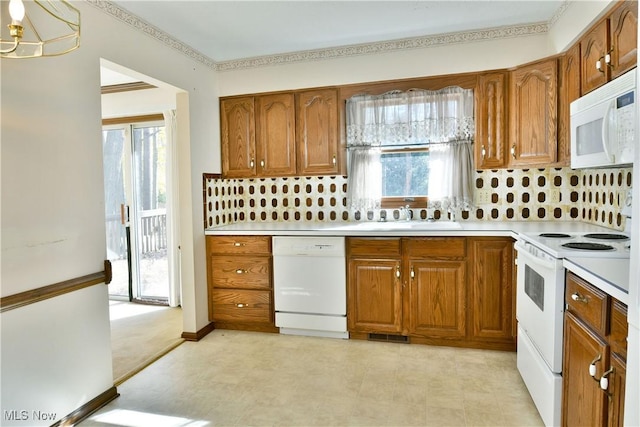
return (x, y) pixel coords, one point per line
(532, 259)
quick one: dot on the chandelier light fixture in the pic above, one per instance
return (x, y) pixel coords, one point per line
(38, 28)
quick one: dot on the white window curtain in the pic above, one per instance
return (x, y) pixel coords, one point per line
(441, 119)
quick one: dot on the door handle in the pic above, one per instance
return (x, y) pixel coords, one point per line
(124, 214)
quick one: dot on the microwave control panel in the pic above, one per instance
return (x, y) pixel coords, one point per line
(626, 124)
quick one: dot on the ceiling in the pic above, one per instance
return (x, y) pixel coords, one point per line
(234, 30)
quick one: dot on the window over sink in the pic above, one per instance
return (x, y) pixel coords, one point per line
(410, 148)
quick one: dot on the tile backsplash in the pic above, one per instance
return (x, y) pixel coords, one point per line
(592, 195)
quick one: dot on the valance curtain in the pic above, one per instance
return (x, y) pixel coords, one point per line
(442, 120)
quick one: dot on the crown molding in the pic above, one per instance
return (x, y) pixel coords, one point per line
(387, 46)
(329, 53)
(143, 26)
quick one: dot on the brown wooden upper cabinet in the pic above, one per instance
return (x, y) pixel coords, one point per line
(610, 48)
(275, 135)
(491, 120)
(317, 132)
(238, 137)
(533, 106)
(568, 91)
(280, 134)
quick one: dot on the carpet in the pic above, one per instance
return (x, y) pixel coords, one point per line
(140, 335)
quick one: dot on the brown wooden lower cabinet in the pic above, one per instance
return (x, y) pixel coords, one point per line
(435, 290)
(240, 282)
(594, 365)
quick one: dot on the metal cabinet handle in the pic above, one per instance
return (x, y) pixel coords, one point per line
(604, 381)
(592, 366)
(483, 151)
(579, 298)
(599, 65)
(252, 163)
(413, 273)
(242, 305)
(513, 151)
(241, 271)
(262, 164)
(334, 160)
(398, 271)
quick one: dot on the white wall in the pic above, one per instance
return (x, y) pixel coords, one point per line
(409, 63)
(53, 207)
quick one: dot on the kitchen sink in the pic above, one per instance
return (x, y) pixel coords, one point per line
(402, 225)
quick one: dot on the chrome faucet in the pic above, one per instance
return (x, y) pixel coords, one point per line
(408, 214)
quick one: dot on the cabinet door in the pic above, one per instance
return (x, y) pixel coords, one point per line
(317, 132)
(491, 290)
(583, 403)
(624, 38)
(275, 135)
(490, 150)
(569, 91)
(533, 114)
(437, 298)
(237, 129)
(593, 47)
(374, 296)
(617, 382)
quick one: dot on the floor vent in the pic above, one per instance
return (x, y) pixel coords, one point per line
(389, 338)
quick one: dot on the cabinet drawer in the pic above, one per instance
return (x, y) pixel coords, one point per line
(373, 247)
(619, 328)
(246, 272)
(241, 306)
(239, 244)
(436, 247)
(588, 303)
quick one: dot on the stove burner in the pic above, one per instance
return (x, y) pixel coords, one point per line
(606, 236)
(555, 235)
(588, 246)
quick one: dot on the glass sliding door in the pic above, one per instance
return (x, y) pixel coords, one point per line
(150, 213)
(136, 212)
(116, 161)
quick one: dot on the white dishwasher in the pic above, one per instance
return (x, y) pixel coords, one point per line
(310, 285)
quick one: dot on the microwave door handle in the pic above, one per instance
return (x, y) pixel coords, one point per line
(606, 143)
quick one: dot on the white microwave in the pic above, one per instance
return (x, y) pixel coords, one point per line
(603, 125)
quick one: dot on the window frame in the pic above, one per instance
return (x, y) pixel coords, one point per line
(410, 201)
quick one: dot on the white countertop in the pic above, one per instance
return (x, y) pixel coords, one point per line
(611, 275)
(467, 228)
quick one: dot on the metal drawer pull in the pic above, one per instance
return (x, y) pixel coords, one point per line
(241, 271)
(592, 366)
(242, 305)
(579, 298)
(604, 381)
(237, 244)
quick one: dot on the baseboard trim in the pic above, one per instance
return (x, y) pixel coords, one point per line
(88, 408)
(40, 294)
(197, 336)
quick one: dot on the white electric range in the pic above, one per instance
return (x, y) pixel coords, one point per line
(610, 244)
(540, 306)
